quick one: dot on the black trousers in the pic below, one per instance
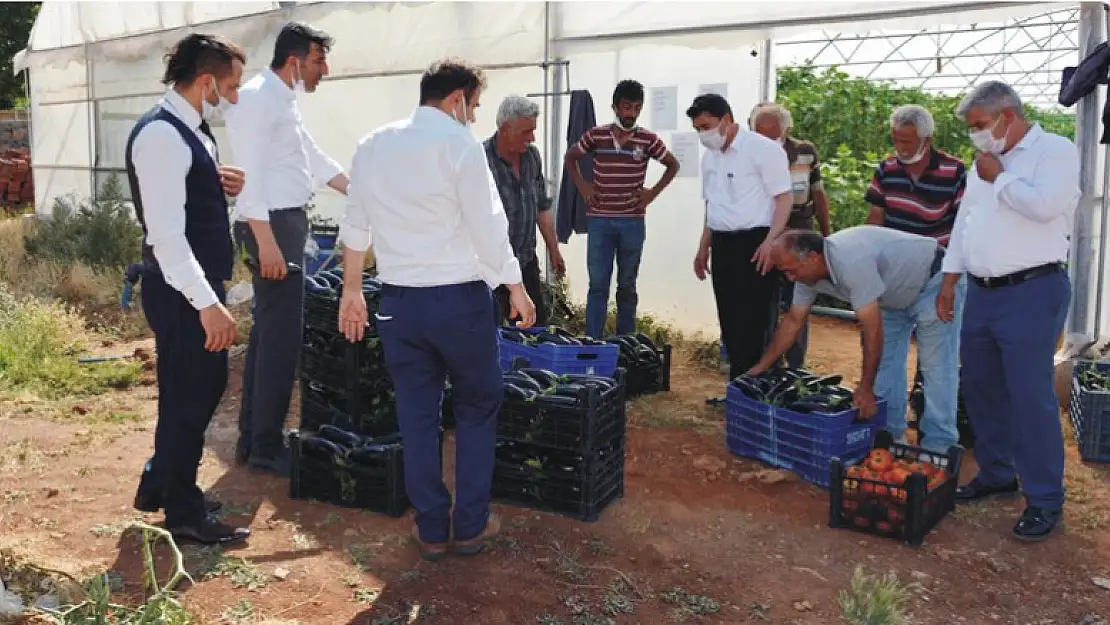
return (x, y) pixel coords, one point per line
(533, 284)
(747, 301)
(191, 381)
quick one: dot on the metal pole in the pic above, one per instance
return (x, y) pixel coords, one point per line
(1086, 132)
(1096, 335)
(546, 169)
(767, 73)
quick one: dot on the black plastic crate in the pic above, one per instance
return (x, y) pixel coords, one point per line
(370, 476)
(1090, 411)
(649, 378)
(579, 485)
(917, 409)
(598, 417)
(341, 364)
(908, 512)
(323, 405)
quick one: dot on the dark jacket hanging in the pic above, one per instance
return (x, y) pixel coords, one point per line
(1079, 81)
(570, 215)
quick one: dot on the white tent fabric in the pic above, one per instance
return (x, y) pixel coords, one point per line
(95, 67)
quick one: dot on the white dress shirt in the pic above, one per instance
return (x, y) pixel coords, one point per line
(283, 165)
(162, 159)
(422, 192)
(739, 185)
(1024, 218)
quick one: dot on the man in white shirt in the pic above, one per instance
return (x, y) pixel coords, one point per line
(423, 189)
(284, 167)
(1011, 238)
(178, 188)
(745, 182)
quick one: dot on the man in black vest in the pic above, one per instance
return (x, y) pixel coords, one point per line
(178, 188)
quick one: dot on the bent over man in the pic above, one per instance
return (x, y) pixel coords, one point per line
(178, 188)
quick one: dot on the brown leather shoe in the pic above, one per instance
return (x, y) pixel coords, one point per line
(474, 546)
(432, 552)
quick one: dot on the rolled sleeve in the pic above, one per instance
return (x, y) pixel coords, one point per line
(354, 228)
(485, 219)
(804, 295)
(162, 160)
(248, 132)
(323, 167)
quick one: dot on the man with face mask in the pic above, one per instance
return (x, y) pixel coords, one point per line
(1012, 240)
(422, 193)
(284, 168)
(618, 204)
(746, 186)
(178, 187)
(518, 172)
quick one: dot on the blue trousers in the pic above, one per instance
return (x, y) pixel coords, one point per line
(620, 239)
(427, 333)
(1009, 337)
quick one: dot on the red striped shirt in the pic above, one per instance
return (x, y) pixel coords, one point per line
(619, 170)
(925, 206)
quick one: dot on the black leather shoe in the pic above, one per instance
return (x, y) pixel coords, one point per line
(279, 465)
(977, 491)
(1037, 524)
(150, 501)
(210, 532)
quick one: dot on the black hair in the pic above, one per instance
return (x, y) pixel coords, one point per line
(629, 90)
(710, 103)
(296, 39)
(446, 76)
(198, 54)
(804, 242)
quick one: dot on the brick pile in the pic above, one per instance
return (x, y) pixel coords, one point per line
(16, 182)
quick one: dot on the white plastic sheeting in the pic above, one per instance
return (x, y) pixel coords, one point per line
(96, 66)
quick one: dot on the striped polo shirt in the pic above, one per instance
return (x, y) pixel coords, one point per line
(619, 169)
(925, 206)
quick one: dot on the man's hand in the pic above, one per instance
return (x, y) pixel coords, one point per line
(987, 166)
(557, 263)
(701, 263)
(586, 190)
(521, 306)
(219, 328)
(946, 303)
(353, 317)
(644, 197)
(864, 399)
(232, 179)
(271, 262)
(757, 369)
(762, 257)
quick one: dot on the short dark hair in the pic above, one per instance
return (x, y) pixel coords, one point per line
(296, 39)
(446, 76)
(711, 103)
(630, 90)
(198, 54)
(804, 242)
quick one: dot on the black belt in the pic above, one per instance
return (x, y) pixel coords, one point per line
(1018, 276)
(938, 261)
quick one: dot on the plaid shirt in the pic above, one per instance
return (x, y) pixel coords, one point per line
(524, 196)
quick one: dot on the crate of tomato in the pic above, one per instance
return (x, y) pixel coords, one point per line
(555, 349)
(898, 491)
(796, 420)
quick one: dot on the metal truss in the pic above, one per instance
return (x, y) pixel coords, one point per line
(1029, 53)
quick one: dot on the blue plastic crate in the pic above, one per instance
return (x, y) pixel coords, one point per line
(802, 443)
(1090, 414)
(587, 359)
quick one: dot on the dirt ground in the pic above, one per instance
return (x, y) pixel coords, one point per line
(693, 531)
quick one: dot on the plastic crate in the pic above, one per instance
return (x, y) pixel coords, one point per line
(907, 513)
(373, 480)
(802, 443)
(598, 418)
(1090, 414)
(587, 359)
(376, 414)
(917, 409)
(574, 484)
(650, 379)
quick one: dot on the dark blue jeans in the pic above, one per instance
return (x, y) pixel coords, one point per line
(1006, 347)
(426, 334)
(620, 239)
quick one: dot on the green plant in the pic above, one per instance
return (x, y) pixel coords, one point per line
(873, 601)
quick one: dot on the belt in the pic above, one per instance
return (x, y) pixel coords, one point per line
(938, 261)
(1018, 277)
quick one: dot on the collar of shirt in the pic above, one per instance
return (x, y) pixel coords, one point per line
(1028, 142)
(175, 103)
(275, 83)
(433, 117)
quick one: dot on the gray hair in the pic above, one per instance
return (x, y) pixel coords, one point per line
(802, 243)
(516, 107)
(994, 97)
(770, 108)
(913, 115)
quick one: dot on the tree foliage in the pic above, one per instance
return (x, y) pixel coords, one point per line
(848, 119)
(16, 20)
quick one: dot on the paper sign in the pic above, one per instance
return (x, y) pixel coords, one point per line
(684, 146)
(664, 108)
(720, 88)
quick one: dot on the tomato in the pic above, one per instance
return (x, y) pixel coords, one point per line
(867, 486)
(882, 490)
(880, 460)
(849, 505)
(883, 526)
(931, 470)
(854, 471)
(899, 495)
(894, 515)
(937, 479)
(861, 521)
(915, 467)
(896, 476)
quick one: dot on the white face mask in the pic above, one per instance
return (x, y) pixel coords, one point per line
(712, 139)
(916, 158)
(463, 119)
(209, 111)
(298, 82)
(985, 141)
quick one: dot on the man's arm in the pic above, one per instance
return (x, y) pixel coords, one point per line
(871, 322)
(545, 219)
(658, 150)
(484, 216)
(820, 199)
(785, 337)
(774, 170)
(582, 147)
(874, 196)
(162, 161)
(324, 168)
(1049, 193)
